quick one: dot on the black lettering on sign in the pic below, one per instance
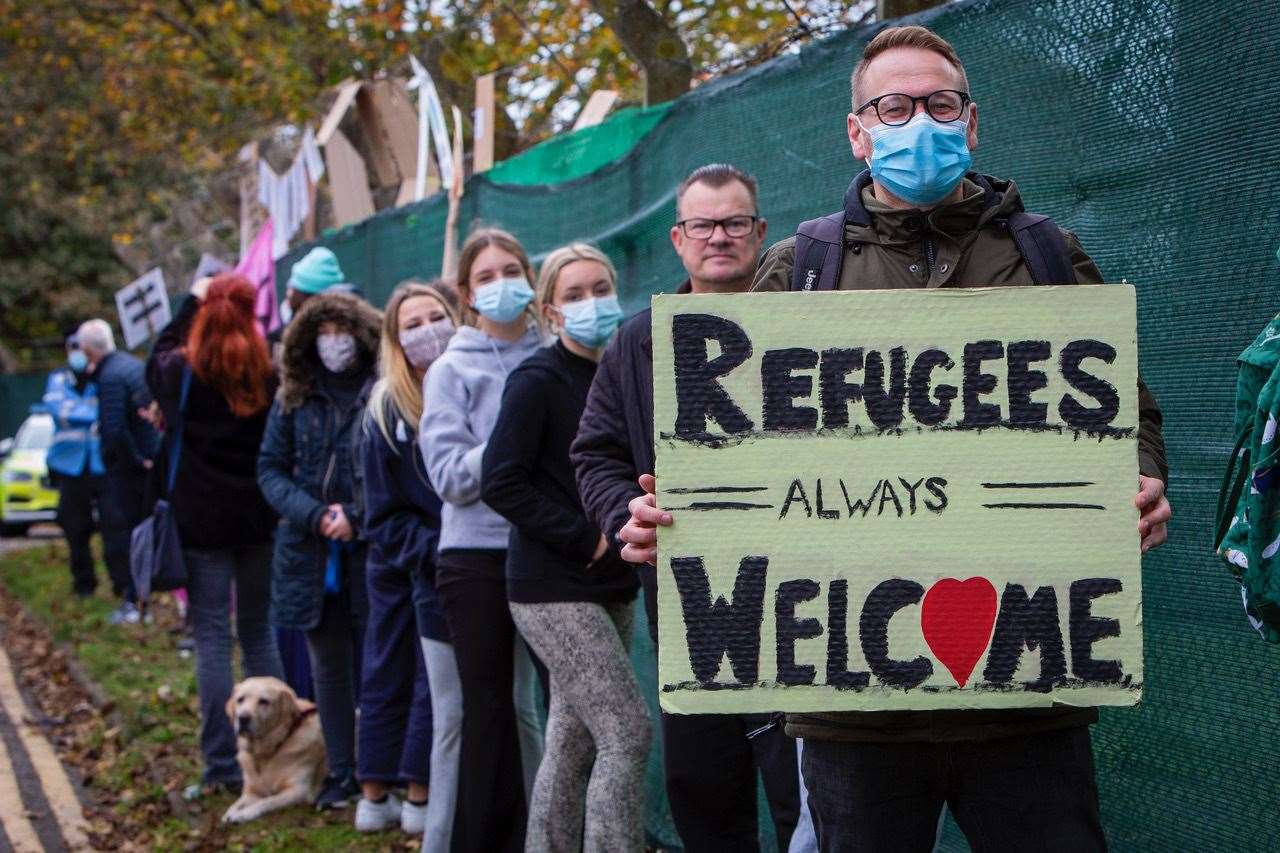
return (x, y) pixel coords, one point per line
(714, 630)
(977, 384)
(790, 629)
(888, 493)
(781, 386)
(922, 405)
(838, 674)
(873, 630)
(835, 393)
(936, 486)
(911, 492)
(1024, 382)
(823, 512)
(856, 504)
(796, 493)
(1030, 623)
(699, 396)
(1077, 415)
(884, 404)
(1087, 629)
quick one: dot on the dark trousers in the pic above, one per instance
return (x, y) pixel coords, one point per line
(710, 766)
(334, 647)
(395, 700)
(1036, 792)
(211, 576)
(491, 812)
(77, 499)
(126, 500)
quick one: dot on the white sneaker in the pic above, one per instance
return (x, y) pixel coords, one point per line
(413, 818)
(376, 817)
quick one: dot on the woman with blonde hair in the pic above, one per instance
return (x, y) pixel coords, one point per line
(571, 595)
(463, 390)
(410, 700)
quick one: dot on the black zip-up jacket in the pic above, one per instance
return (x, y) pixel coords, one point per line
(615, 438)
(526, 478)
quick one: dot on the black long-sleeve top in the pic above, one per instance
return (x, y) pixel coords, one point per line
(528, 480)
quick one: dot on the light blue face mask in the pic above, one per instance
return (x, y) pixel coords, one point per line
(502, 301)
(591, 322)
(922, 160)
(78, 360)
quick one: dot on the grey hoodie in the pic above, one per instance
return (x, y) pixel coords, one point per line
(461, 397)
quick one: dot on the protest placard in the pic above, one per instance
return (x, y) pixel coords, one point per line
(143, 306)
(898, 499)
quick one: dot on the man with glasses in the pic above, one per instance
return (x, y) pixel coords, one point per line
(710, 761)
(1013, 779)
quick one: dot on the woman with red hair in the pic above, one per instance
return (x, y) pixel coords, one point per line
(214, 347)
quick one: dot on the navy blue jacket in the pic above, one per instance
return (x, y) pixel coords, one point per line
(127, 440)
(307, 463)
(402, 514)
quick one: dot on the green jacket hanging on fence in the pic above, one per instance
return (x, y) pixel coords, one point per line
(953, 245)
(1247, 534)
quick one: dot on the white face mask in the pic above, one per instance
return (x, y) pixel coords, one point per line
(337, 350)
(424, 344)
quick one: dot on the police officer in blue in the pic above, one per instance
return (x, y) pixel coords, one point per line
(74, 459)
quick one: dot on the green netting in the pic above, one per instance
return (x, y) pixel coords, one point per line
(1112, 118)
(17, 392)
(573, 155)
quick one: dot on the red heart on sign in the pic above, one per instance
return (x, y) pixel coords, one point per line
(956, 619)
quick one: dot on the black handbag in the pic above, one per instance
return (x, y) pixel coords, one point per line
(155, 549)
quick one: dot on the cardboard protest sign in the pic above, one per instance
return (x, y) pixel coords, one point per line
(898, 499)
(209, 266)
(143, 306)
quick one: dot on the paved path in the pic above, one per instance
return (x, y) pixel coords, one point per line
(39, 805)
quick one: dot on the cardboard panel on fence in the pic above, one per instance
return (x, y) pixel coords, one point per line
(898, 499)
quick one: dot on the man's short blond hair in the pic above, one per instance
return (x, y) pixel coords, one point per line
(917, 37)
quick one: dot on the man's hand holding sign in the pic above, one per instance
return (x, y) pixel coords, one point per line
(897, 500)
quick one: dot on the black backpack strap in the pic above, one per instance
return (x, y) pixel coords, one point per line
(1040, 241)
(819, 253)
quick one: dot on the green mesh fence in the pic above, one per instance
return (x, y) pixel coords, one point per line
(17, 392)
(1149, 129)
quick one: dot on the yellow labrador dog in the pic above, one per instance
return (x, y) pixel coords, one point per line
(281, 749)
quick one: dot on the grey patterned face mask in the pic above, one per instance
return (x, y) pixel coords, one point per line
(337, 350)
(424, 344)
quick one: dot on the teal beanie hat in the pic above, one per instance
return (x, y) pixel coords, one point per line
(316, 272)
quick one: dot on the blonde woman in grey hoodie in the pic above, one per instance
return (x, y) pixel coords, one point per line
(501, 745)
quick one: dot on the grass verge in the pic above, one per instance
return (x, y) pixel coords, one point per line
(136, 753)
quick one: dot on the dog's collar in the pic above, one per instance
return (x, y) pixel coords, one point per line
(297, 722)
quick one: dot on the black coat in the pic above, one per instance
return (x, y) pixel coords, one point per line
(127, 440)
(216, 499)
(615, 437)
(528, 480)
(307, 462)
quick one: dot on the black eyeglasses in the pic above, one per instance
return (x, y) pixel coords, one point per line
(702, 229)
(896, 109)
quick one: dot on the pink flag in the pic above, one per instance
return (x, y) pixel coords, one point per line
(260, 269)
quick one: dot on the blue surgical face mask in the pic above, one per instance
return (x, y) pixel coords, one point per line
(78, 361)
(591, 322)
(502, 301)
(922, 160)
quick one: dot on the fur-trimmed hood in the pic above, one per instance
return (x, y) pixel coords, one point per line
(300, 362)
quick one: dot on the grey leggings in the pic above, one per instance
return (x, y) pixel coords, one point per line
(597, 715)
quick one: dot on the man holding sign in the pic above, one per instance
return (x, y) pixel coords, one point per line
(710, 760)
(912, 511)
